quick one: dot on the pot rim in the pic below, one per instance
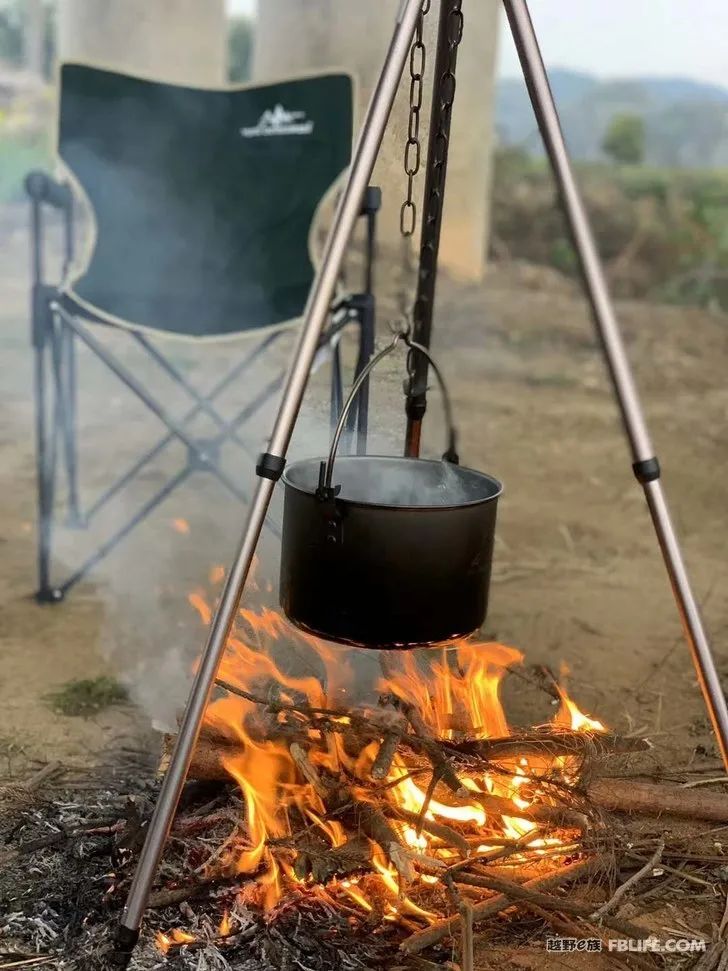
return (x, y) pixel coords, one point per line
(385, 505)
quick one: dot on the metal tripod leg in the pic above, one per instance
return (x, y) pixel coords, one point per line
(646, 466)
(270, 468)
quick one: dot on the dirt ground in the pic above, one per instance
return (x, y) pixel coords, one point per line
(578, 574)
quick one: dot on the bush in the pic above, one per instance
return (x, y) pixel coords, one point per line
(19, 153)
(240, 49)
(624, 139)
(663, 233)
(87, 697)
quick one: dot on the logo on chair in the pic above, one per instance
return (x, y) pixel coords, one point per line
(278, 121)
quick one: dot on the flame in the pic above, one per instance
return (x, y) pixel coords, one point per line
(350, 890)
(177, 936)
(457, 695)
(389, 879)
(217, 575)
(181, 526)
(571, 717)
(181, 937)
(197, 600)
(410, 797)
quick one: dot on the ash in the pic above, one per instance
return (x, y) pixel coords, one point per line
(66, 859)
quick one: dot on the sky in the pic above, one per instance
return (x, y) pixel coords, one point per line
(618, 38)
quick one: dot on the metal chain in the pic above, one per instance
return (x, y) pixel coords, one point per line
(413, 147)
(412, 162)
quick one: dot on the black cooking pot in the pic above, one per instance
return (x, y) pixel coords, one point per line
(397, 554)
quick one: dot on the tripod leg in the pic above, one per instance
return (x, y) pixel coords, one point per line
(646, 467)
(269, 469)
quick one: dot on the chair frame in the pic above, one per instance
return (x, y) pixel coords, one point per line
(57, 323)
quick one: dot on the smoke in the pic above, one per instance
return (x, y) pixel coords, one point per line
(133, 604)
(392, 481)
(151, 635)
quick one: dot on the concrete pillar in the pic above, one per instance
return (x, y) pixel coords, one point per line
(466, 228)
(294, 37)
(183, 41)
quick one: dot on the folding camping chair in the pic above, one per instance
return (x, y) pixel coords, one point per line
(203, 202)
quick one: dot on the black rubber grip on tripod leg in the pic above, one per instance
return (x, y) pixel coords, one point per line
(125, 941)
(648, 470)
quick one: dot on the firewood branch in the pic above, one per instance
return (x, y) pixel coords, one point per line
(622, 890)
(490, 908)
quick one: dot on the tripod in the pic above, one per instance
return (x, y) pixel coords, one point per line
(271, 464)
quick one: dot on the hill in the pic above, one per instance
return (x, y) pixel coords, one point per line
(686, 121)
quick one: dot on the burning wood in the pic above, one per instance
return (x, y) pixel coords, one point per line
(399, 802)
(411, 805)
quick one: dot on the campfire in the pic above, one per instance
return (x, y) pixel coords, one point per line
(351, 809)
(390, 782)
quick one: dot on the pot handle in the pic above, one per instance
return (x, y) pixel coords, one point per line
(325, 490)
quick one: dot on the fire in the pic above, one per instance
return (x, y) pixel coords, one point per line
(286, 768)
(176, 936)
(197, 600)
(217, 575)
(181, 526)
(571, 717)
(225, 928)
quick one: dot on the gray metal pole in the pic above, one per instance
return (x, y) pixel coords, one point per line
(270, 467)
(646, 466)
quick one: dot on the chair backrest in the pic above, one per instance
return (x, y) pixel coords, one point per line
(203, 200)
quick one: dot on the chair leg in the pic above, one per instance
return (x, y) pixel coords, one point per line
(129, 378)
(358, 418)
(366, 350)
(204, 403)
(68, 424)
(337, 385)
(45, 430)
(122, 532)
(367, 315)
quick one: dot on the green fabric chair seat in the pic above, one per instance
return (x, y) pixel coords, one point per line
(203, 200)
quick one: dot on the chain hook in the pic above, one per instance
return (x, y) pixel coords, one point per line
(401, 330)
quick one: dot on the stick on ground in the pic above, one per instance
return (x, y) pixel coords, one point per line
(620, 892)
(489, 908)
(468, 955)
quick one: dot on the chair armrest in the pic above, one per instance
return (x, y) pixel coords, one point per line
(43, 190)
(42, 187)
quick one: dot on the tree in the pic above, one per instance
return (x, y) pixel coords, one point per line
(27, 35)
(11, 34)
(240, 49)
(34, 37)
(624, 139)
